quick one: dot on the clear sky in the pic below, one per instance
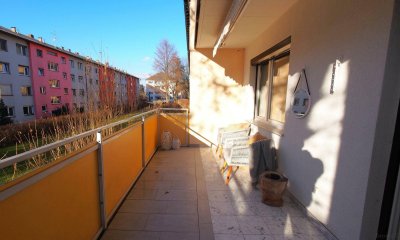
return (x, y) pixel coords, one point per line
(127, 31)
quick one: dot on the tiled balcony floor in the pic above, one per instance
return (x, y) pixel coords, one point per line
(182, 195)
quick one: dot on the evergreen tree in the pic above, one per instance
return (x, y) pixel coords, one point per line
(4, 118)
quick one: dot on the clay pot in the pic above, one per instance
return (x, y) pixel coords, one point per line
(273, 185)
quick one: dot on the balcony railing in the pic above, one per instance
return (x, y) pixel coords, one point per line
(75, 196)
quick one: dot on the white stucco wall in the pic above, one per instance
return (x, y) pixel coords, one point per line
(327, 155)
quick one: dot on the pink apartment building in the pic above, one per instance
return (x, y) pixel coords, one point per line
(51, 81)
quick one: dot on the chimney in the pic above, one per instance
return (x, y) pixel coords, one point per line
(69, 49)
(40, 39)
(62, 48)
(14, 29)
(31, 36)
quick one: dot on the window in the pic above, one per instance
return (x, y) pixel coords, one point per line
(44, 108)
(52, 53)
(22, 50)
(72, 63)
(73, 77)
(42, 90)
(39, 53)
(64, 75)
(95, 70)
(23, 70)
(97, 82)
(3, 45)
(63, 60)
(41, 71)
(90, 81)
(4, 67)
(65, 91)
(10, 111)
(80, 66)
(52, 66)
(73, 91)
(6, 90)
(26, 91)
(55, 100)
(80, 78)
(81, 92)
(28, 110)
(271, 82)
(54, 83)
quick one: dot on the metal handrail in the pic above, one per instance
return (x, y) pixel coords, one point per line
(31, 153)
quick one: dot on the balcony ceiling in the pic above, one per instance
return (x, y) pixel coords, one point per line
(256, 17)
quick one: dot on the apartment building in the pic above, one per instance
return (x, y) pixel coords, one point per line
(51, 86)
(15, 78)
(38, 79)
(79, 87)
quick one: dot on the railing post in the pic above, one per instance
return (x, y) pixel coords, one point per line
(186, 127)
(100, 169)
(143, 144)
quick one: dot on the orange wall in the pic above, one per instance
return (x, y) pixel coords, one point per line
(63, 205)
(122, 165)
(173, 124)
(150, 131)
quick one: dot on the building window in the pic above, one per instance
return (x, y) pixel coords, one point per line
(64, 75)
(63, 60)
(73, 91)
(44, 108)
(80, 66)
(65, 91)
(55, 100)
(52, 66)
(271, 83)
(41, 71)
(10, 111)
(39, 53)
(81, 92)
(52, 53)
(73, 77)
(95, 70)
(90, 80)
(54, 83)
(3, 45)
(42, 90)
(4, 67)
(80, 78)
(6, 90)
(72, 63)
(28, 110)
(97, 82)
(26, 91)
(22, 50)
(23, 70)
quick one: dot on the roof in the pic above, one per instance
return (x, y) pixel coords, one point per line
(30, 38)
(157, 77)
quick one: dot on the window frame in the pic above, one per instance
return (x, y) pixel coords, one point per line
(30, 110)
(28, 91)
(21, 49)
(57, 85)
(26, 70)
(3, 42)
(42, 90)
(270, 56)
(52, 66)
(6, 67)
(39, 51)
(55, 97)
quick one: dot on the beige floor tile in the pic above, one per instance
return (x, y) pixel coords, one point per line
(226, 224)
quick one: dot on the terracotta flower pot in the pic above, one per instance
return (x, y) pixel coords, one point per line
(273, 185)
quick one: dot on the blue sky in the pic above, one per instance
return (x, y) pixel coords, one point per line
(128, 32)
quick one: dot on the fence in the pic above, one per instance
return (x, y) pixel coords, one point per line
(74, 197)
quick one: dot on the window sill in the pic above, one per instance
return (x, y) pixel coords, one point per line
(269, 126)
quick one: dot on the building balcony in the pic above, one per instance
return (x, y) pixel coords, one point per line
(123, 187)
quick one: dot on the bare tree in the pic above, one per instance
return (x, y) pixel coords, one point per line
(164, 64)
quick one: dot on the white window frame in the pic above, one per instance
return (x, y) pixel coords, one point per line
(266, 121)
(26, 70)
(56, 85)
(30, 111)
(55, 102)
(21, 49)
(13, 111)
(42, 90)
(6, 67)
(28, 90)
(52, 66)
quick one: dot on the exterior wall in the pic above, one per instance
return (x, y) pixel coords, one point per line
(43, 81)
(79, 83)
(328, 154)
(131, 91)
(92, 82)
(14, 79)
(107, 86)
(218, 96)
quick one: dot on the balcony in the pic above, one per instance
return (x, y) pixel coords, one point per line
(122, 187)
